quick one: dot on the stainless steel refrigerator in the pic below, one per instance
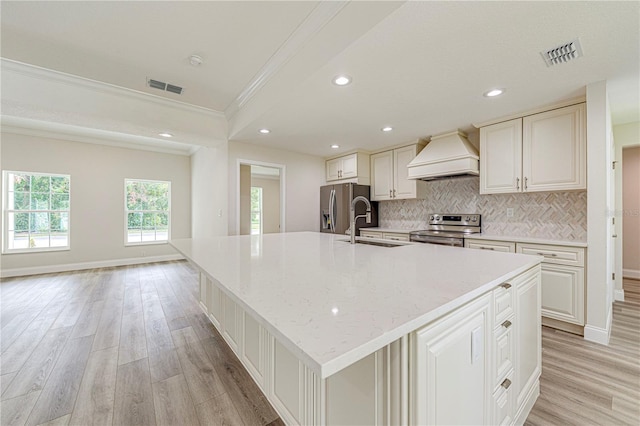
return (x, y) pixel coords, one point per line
(335, 202)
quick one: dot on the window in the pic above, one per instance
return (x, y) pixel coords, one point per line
(256, 210)
(147, 211)
(36, 212)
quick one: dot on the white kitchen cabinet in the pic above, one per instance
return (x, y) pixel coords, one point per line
(554, 150)
(383, 235)
(451, 357)
(390, 175)
(527, 336)
(501, 157)
(503, 246)
(350, 168)
(539, 152)
(563, 282)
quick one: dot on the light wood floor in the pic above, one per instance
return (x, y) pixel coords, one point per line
(130, 346)
(585, 383)
(119, 346)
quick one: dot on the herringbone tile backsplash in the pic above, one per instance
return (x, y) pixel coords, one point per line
(553, 215)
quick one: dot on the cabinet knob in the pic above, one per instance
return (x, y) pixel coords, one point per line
(394, 193)
(486, 248)
(506, 324)
(525, 183)
(390, 194)
(506, 383)
(505, 286)
(518, 183)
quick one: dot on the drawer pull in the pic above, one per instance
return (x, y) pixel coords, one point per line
(547, 254)
(506, 324)
(506, 286)
(486, 248)
(506, 383)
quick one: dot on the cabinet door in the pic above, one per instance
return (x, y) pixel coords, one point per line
(452, 368)
(554, 150)
(563, 293)
(404, 188)
(528, 349)
(382, 170)
(231, 324)
(215, 305)
(501, 157)
(333, 169)
(349, 167)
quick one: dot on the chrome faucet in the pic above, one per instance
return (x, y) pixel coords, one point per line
(353, 217)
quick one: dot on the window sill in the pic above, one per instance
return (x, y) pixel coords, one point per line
(35, 250)
(146, 243)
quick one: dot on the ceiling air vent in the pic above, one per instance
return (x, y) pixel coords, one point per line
(563, 53)
(164, 86)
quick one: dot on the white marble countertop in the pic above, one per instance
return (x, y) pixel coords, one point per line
(393, 230)
(332, 303)
(532, 240)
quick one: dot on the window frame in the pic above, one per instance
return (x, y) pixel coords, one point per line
(6, 211)
(127, 211)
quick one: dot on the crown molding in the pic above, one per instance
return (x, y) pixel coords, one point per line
(67, 132)
(34, 71)
(322, 14)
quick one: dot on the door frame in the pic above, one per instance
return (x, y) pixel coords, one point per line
(282, 167)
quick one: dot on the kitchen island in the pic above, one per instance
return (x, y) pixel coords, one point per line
(335, 333)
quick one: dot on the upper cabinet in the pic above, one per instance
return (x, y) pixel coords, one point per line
(351, 168)
(540, 152)
(389, 175)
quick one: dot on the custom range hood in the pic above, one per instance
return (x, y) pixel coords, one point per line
(446, 155)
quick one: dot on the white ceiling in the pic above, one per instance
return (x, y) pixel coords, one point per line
(420, 67)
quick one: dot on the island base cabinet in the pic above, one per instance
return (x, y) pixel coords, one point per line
(451, 380)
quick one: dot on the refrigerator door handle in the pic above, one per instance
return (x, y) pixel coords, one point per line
(332, 197)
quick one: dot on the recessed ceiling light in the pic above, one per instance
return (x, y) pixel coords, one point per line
(387, 129)
(341, 80)
(165, 135)
(334, 146)
(493, 92)
(264, 131)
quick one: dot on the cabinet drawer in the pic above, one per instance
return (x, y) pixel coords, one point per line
(573, 256)
(395, 236)
(502, 302)
(504, 246)
(503, 349)
(370, 234)
(502, 403)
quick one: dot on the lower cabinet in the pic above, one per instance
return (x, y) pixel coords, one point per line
(452, 351)
(563, 280)
(395, 236)
(480, 364)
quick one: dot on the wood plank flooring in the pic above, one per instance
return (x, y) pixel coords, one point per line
(118, 346)
(585, 383)
(130, 346)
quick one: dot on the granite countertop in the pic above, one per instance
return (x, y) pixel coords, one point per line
(532, 240)
(332, 303)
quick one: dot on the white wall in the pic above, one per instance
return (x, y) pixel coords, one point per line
(304, 176)
(270, 203)
(599, 289)
(97, 197)
(625, 135)
(209, 183)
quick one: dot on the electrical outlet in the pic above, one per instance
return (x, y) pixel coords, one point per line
(510, 212)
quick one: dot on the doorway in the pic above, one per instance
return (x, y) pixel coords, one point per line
(261, 198)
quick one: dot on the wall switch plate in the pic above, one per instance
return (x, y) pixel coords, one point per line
(509, 212)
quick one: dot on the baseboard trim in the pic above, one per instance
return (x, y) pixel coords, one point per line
(631, 273)
(597, 334)
(36, 270)
(618, 295)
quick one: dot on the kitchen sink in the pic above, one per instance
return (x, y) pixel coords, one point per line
(376, 243)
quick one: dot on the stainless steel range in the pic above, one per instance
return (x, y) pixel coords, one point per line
(447, 229)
